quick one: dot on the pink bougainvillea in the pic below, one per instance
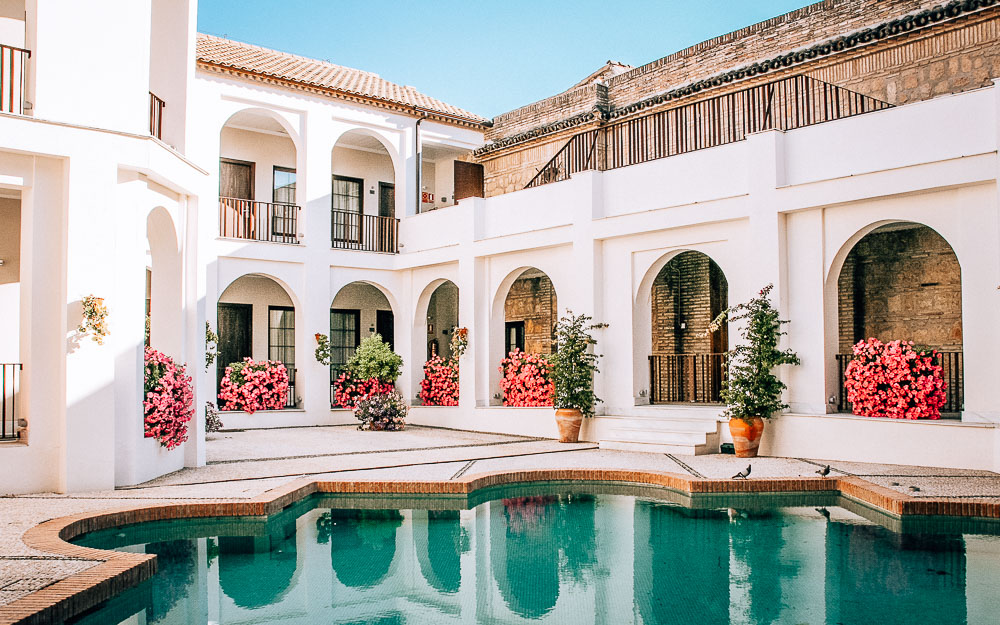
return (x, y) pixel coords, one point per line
(440, 384)
(348, 392)
(251, 386)
(893, 380)
(527, 380)
(168, 401)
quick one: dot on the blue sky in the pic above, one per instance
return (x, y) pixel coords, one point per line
(486, 57)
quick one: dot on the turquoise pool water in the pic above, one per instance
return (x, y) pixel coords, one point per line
(559, 553)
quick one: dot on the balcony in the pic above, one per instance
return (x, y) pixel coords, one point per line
(10, 388)
(258, 221)
(12, 69)
(786, 104)
(366, 233)
(156, 106)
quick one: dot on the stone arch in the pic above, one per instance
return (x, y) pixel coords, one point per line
(897, 279)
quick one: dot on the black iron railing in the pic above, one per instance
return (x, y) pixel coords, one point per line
(290, 398)
(951, 370)
(686, 378)
(156, 106)
(13, 62)
(366, 233)
(10, 390)
(258, 221)
(786, 104)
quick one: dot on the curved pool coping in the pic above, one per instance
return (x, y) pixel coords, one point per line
(118, 571)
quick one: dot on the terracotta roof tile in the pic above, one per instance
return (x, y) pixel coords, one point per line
(314, 73)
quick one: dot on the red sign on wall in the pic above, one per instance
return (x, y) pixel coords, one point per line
(427, 198)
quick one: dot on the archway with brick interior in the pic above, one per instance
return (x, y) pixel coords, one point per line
(530, 313)
(686, 360)
(902, 281)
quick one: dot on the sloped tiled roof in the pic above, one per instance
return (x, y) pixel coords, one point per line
(243, 57)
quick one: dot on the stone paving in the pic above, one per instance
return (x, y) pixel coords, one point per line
(244, 464)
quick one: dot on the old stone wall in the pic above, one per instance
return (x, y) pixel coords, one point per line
(688, 293)
(946, 58)
(532, 300)
(901, 284)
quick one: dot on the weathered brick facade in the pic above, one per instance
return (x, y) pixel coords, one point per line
(947, 57)
(901, 283)
(688, 293)
(532, 299)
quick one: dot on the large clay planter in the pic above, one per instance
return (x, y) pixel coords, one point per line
(746, 436)
(569, 420)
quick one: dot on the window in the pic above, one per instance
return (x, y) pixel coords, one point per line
(284, 185)
(347, 203)
(283, 215)
(281, 335)
(514, 335)
(345, 336)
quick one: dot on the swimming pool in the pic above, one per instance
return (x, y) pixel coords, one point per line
(561, 553)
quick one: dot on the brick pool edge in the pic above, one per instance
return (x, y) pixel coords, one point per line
(117, 571)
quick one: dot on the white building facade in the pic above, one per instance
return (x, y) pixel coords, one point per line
(282, 197)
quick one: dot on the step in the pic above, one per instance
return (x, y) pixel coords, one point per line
(692, 410)
(665, 425)
(658, 448)
(667, 437)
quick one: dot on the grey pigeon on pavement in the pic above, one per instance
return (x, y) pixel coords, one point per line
(742, 475)
(824, 471)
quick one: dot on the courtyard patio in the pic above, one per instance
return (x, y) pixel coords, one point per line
(245, 464)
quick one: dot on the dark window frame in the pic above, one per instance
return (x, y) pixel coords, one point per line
(270, 345)
(335, 369)
(518, 327)
(274, 187)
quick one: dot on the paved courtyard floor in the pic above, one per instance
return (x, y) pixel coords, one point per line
(244, 464)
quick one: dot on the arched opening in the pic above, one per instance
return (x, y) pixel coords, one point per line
(530, 314)
(686, 360)
(524, 536)
(164, 284)
(363, 200)
(363, 545)
(11, 290)
(270, 561)
(358, 310)
(257, 178)
(902, 281)
(439, 550)
(256, 319)
(442, 319)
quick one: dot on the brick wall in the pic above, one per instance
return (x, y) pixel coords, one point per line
(901, 284)
(947, 58)
(532, 300)
(690, 289)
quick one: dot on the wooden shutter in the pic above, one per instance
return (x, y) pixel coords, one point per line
(468, 180)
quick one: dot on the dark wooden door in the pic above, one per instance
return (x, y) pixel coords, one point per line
(236, 181)
(385, 325)
(386, 209)
(235, 335)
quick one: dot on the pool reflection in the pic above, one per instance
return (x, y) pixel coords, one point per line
(556, 558)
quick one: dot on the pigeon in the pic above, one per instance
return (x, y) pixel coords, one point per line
(742, 475)
(893, 483)
(824, 512)
(914, 488)
(824, 471)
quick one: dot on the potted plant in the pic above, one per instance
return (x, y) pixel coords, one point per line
(752, 392)
(573, 367)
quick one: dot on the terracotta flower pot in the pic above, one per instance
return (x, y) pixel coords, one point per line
(746, 436)
(569, 420)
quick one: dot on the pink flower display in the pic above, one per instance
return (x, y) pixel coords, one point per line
(348, 392)
(893, 380)
(440, 384)
(527, 380)
(168, 401)
(251, 386)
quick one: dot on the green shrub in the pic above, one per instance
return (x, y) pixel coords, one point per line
(375, 359)
(574, 363)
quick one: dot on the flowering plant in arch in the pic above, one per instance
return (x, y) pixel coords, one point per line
(894, 380)
(440, 384)
(254, 385)
(95, 319)
(527, 380)
(372, 370)
(349, 392)
(168, 402)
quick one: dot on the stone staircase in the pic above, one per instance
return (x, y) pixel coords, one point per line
(684, 429)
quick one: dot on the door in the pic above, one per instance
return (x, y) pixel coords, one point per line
(236, 183)
(235, 335)
(284, 212)
(385, 325)
(345, 336)
(386, 241)
(514, 332)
